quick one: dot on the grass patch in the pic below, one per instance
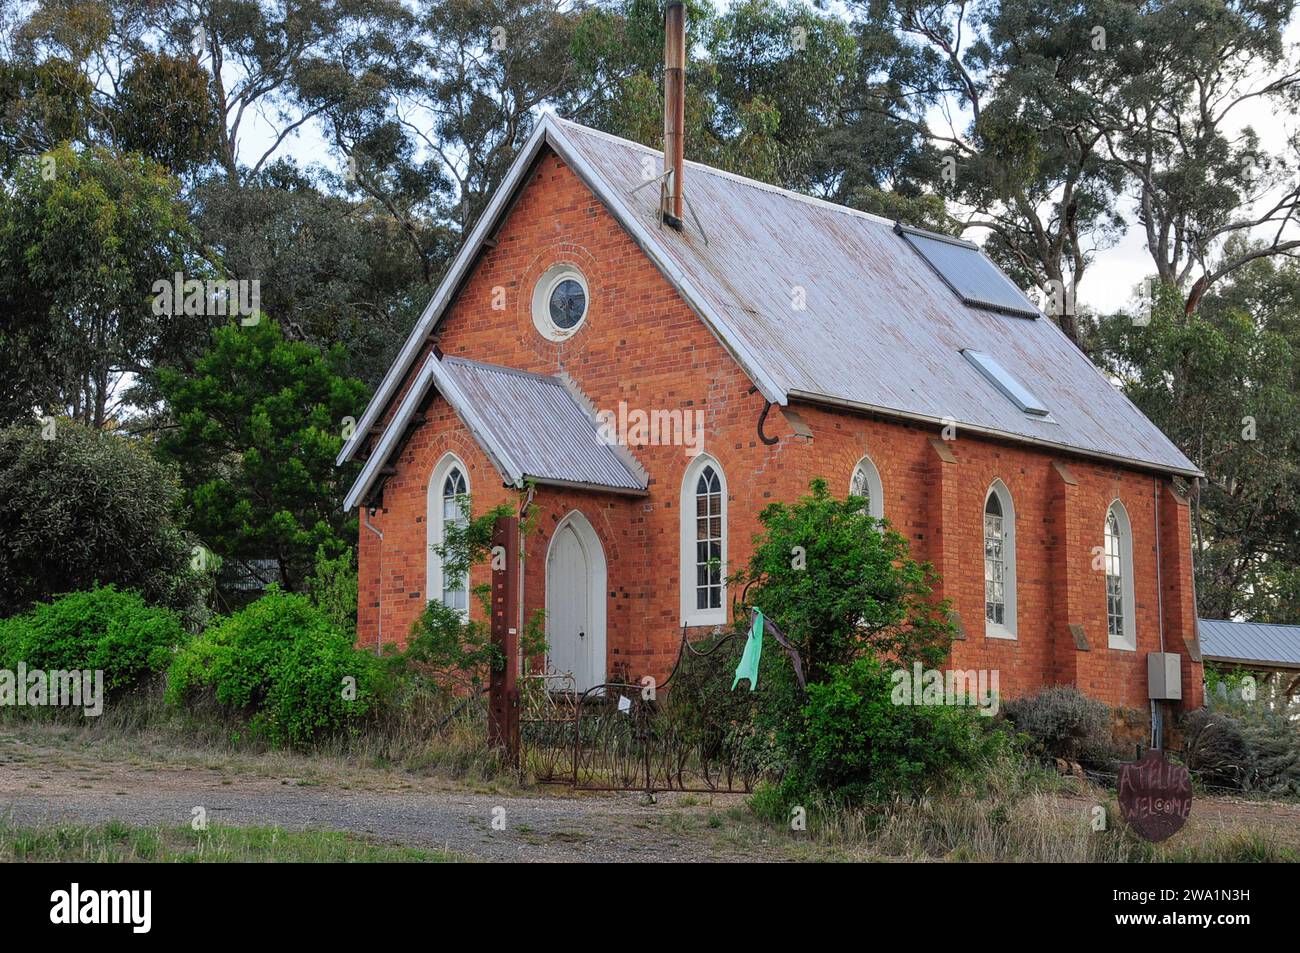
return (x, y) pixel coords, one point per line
(116, 842)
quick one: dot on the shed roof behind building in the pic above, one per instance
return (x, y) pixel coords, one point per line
(1277, 646)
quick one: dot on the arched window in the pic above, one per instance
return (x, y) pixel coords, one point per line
(704, 543)
(866, 484)
(448, 498)
(1121, 623)
(999, 563)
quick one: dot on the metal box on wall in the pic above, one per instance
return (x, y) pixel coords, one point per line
(1164, 676)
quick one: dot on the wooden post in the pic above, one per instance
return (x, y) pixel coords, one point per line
(503, 685)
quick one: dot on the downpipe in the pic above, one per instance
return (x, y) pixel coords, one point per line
(379, 591)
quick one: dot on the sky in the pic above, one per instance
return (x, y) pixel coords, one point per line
(1108, 285)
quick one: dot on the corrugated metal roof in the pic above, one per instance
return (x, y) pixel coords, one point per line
(820, 302)
(877, 329)
(529, 426)
(1224, 641)
(542, 427)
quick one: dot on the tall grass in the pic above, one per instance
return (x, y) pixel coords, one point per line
(427, 734)
(1016, 813)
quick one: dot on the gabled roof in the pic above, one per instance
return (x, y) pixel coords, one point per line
(531, 427)
(817, 302)
(1277, 646)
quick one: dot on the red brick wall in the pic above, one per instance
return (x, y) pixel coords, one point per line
(640, 343)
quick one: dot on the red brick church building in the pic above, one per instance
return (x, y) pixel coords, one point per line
(806, 340)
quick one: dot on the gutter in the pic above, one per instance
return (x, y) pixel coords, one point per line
(593, 487)
(1254, 663)
(813, 398)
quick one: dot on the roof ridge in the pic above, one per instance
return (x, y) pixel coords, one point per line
(735, 177)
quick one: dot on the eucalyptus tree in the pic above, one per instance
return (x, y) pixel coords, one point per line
(1003, 89)
(1224, 384)
(1189, 74)
(1064, 122)
(85, 235)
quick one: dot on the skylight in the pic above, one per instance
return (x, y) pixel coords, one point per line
(970, 275)
(1001, 378)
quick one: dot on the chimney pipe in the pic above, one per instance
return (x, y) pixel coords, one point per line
(674, 110)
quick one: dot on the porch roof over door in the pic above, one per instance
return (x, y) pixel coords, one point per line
(532, 427)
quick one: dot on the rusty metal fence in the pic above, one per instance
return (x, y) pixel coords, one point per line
(688, 733)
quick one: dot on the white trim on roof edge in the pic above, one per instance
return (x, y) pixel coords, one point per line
(550, 131)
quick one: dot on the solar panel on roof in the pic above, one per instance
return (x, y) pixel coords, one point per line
(970, 275)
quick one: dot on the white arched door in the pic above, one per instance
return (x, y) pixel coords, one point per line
(575, 603)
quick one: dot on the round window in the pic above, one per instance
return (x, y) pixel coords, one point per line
(560, 302)
(568, 304)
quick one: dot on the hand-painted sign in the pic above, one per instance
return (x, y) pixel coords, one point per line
(1155, 796)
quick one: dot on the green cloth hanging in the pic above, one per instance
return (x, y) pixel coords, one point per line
(748, 667)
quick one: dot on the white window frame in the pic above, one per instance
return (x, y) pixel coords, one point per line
(541, 306)
(690, 614)
(434, 526)
(1007, 630)
(875, 489)
(1127, 642)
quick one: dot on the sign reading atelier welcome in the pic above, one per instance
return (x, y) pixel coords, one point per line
(1155, 796)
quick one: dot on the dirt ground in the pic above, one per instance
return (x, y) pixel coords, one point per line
(47, 777)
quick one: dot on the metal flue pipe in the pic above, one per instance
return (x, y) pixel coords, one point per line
(674, 110)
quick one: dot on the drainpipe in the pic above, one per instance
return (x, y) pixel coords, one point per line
(1160, 589)
(379, 590)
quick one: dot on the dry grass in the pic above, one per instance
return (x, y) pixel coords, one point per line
(1021, 814)
(425, 739)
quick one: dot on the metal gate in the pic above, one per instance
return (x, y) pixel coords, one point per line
(688, 733)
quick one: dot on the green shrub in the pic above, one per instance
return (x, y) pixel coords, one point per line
(285, 665)
(855, 743)
(107, 629)
(333, 586)
(86, 509)
(1064, 723)
(845, 590)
